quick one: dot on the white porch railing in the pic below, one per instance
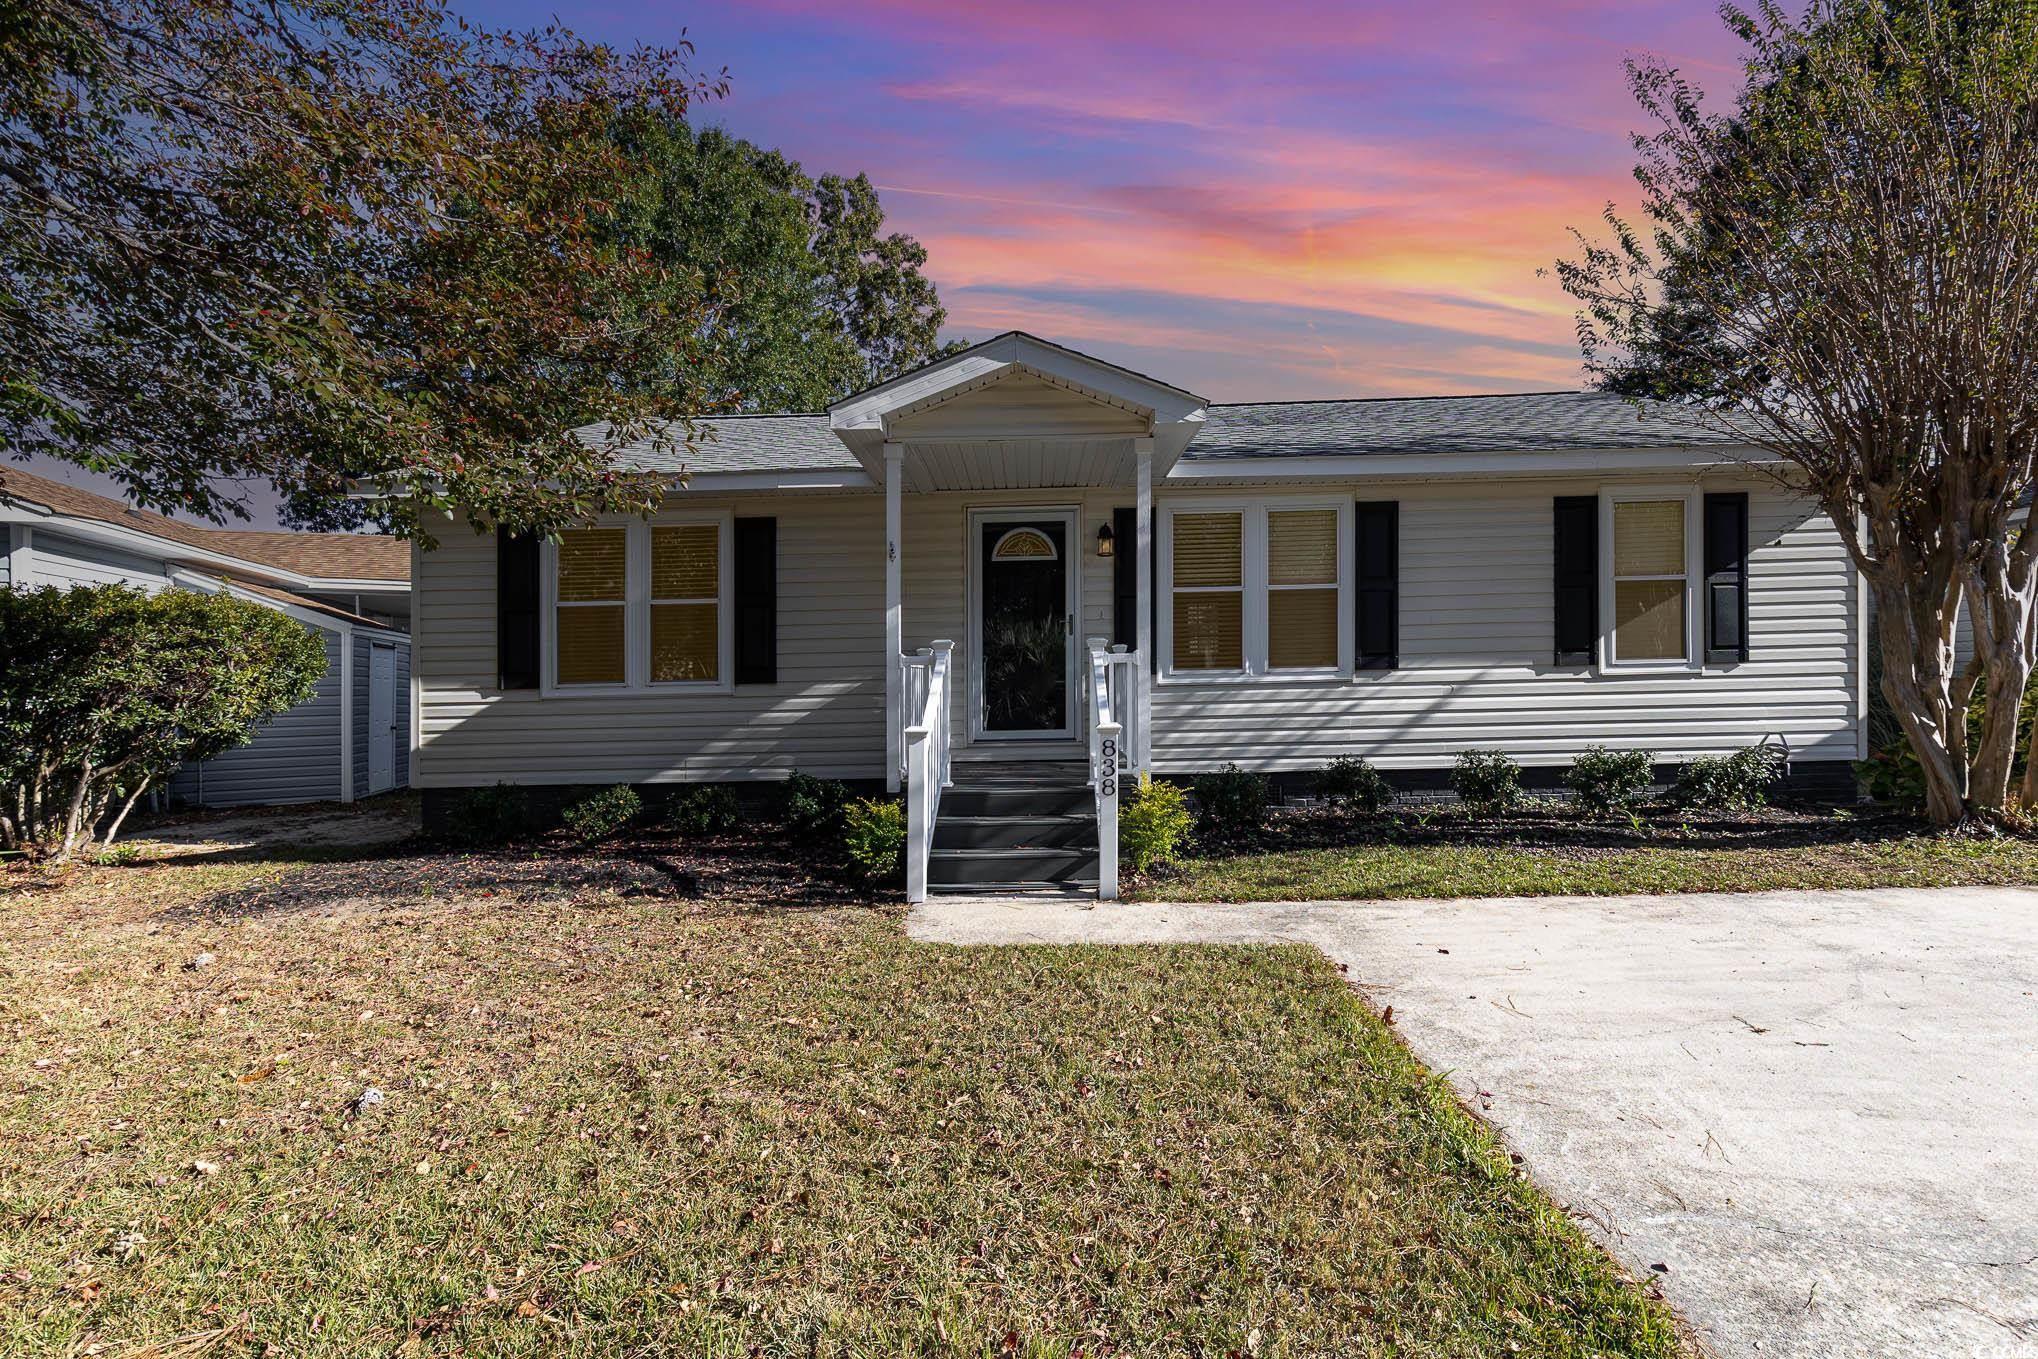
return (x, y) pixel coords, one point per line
(925, 727)
(1111, 690)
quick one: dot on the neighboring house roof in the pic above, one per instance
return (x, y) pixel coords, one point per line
(300, 601)
(326, 556)
(737, 443)
(1529, 422)
(1526, 423)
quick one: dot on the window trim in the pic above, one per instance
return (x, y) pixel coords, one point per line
(637, 609)
(1692, 498)
(1254, 589)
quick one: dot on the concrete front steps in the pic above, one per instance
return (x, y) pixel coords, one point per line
(1015, 827)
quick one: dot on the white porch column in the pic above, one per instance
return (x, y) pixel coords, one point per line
(895, 614)
(1142, 551)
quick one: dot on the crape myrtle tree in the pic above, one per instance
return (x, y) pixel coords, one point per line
(105, 690)
(300, 241)
(1843, 271)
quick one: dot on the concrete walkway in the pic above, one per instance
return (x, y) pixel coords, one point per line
(1813, 1116)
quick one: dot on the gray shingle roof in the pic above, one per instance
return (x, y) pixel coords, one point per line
(1528, 423)
(740, 443)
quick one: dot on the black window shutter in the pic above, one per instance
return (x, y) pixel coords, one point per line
(1576, 571)
(1125, 576)
(1726, 577)
(516, 610)
(1376, 550)
(756, 601)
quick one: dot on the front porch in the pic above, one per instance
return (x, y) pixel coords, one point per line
(1016, 623)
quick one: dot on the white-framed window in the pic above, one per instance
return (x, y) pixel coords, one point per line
(1256, 588)
(1649, 565)
(631, 605)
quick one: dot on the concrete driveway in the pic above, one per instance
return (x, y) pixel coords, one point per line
(1813, 1116)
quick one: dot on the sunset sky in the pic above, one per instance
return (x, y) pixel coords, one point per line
(1277, 200)
(1286, 199)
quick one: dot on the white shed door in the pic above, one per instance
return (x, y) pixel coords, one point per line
(381, 718)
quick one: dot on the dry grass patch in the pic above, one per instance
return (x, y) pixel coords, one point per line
(617, 1123)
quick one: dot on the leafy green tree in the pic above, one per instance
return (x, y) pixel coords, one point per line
(299, 241)
(1843, 271)
(105, 690)
(806, 298)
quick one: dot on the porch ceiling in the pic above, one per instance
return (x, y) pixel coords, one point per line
(1017, 464)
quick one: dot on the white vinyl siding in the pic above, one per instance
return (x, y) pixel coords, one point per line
(1476, 639)
(1476, 653)
(65, 562)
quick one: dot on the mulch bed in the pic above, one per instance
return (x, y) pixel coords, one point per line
(722, 870)
(1549, 824)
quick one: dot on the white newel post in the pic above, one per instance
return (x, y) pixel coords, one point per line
(1106, 732)
(895, 620)
(1144, 667)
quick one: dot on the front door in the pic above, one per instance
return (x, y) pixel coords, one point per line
(1024, 637)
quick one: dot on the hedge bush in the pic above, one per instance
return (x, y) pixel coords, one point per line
(1487, 782)
(1153, 825)
(603, 813)
(812, 809)
(105, 690)
(1732, 783)
(1353, 784)
(874, 837)
(1604, 781)
(1230, 804)
(708, 810)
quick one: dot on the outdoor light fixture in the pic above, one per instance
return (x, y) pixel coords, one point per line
(1107, 542)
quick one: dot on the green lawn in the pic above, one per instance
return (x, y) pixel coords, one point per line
(636, 1124)
(1463, 862)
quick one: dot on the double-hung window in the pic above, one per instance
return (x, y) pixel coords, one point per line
(1208, 580)
(1651, 538)
(1257, 589)
(591, 614)
(686, 603)
(635, 605)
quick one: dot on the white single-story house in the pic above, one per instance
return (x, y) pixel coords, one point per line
(351, 739)
(1018, 572)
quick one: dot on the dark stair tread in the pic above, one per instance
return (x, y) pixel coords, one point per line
(1083, 888)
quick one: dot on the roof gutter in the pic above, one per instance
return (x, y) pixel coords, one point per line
(1400, 466)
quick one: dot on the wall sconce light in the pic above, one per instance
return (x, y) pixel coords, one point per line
(1107, 542)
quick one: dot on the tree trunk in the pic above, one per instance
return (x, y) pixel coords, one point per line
(69, 845)
(125, 808)
(1918, 681)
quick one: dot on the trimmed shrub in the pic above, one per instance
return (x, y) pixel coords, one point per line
(603, 812)
(1604, 781)
(489, 816)
(874, 837)
(105, 690)
(1230, 804)
(1153, 824)
(812, 808)
(1487, 782)
(1354, 785)
(1736, 782)
(707, 810)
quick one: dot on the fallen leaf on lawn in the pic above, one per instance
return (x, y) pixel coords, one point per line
(261, 1074)
(204, 1168)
